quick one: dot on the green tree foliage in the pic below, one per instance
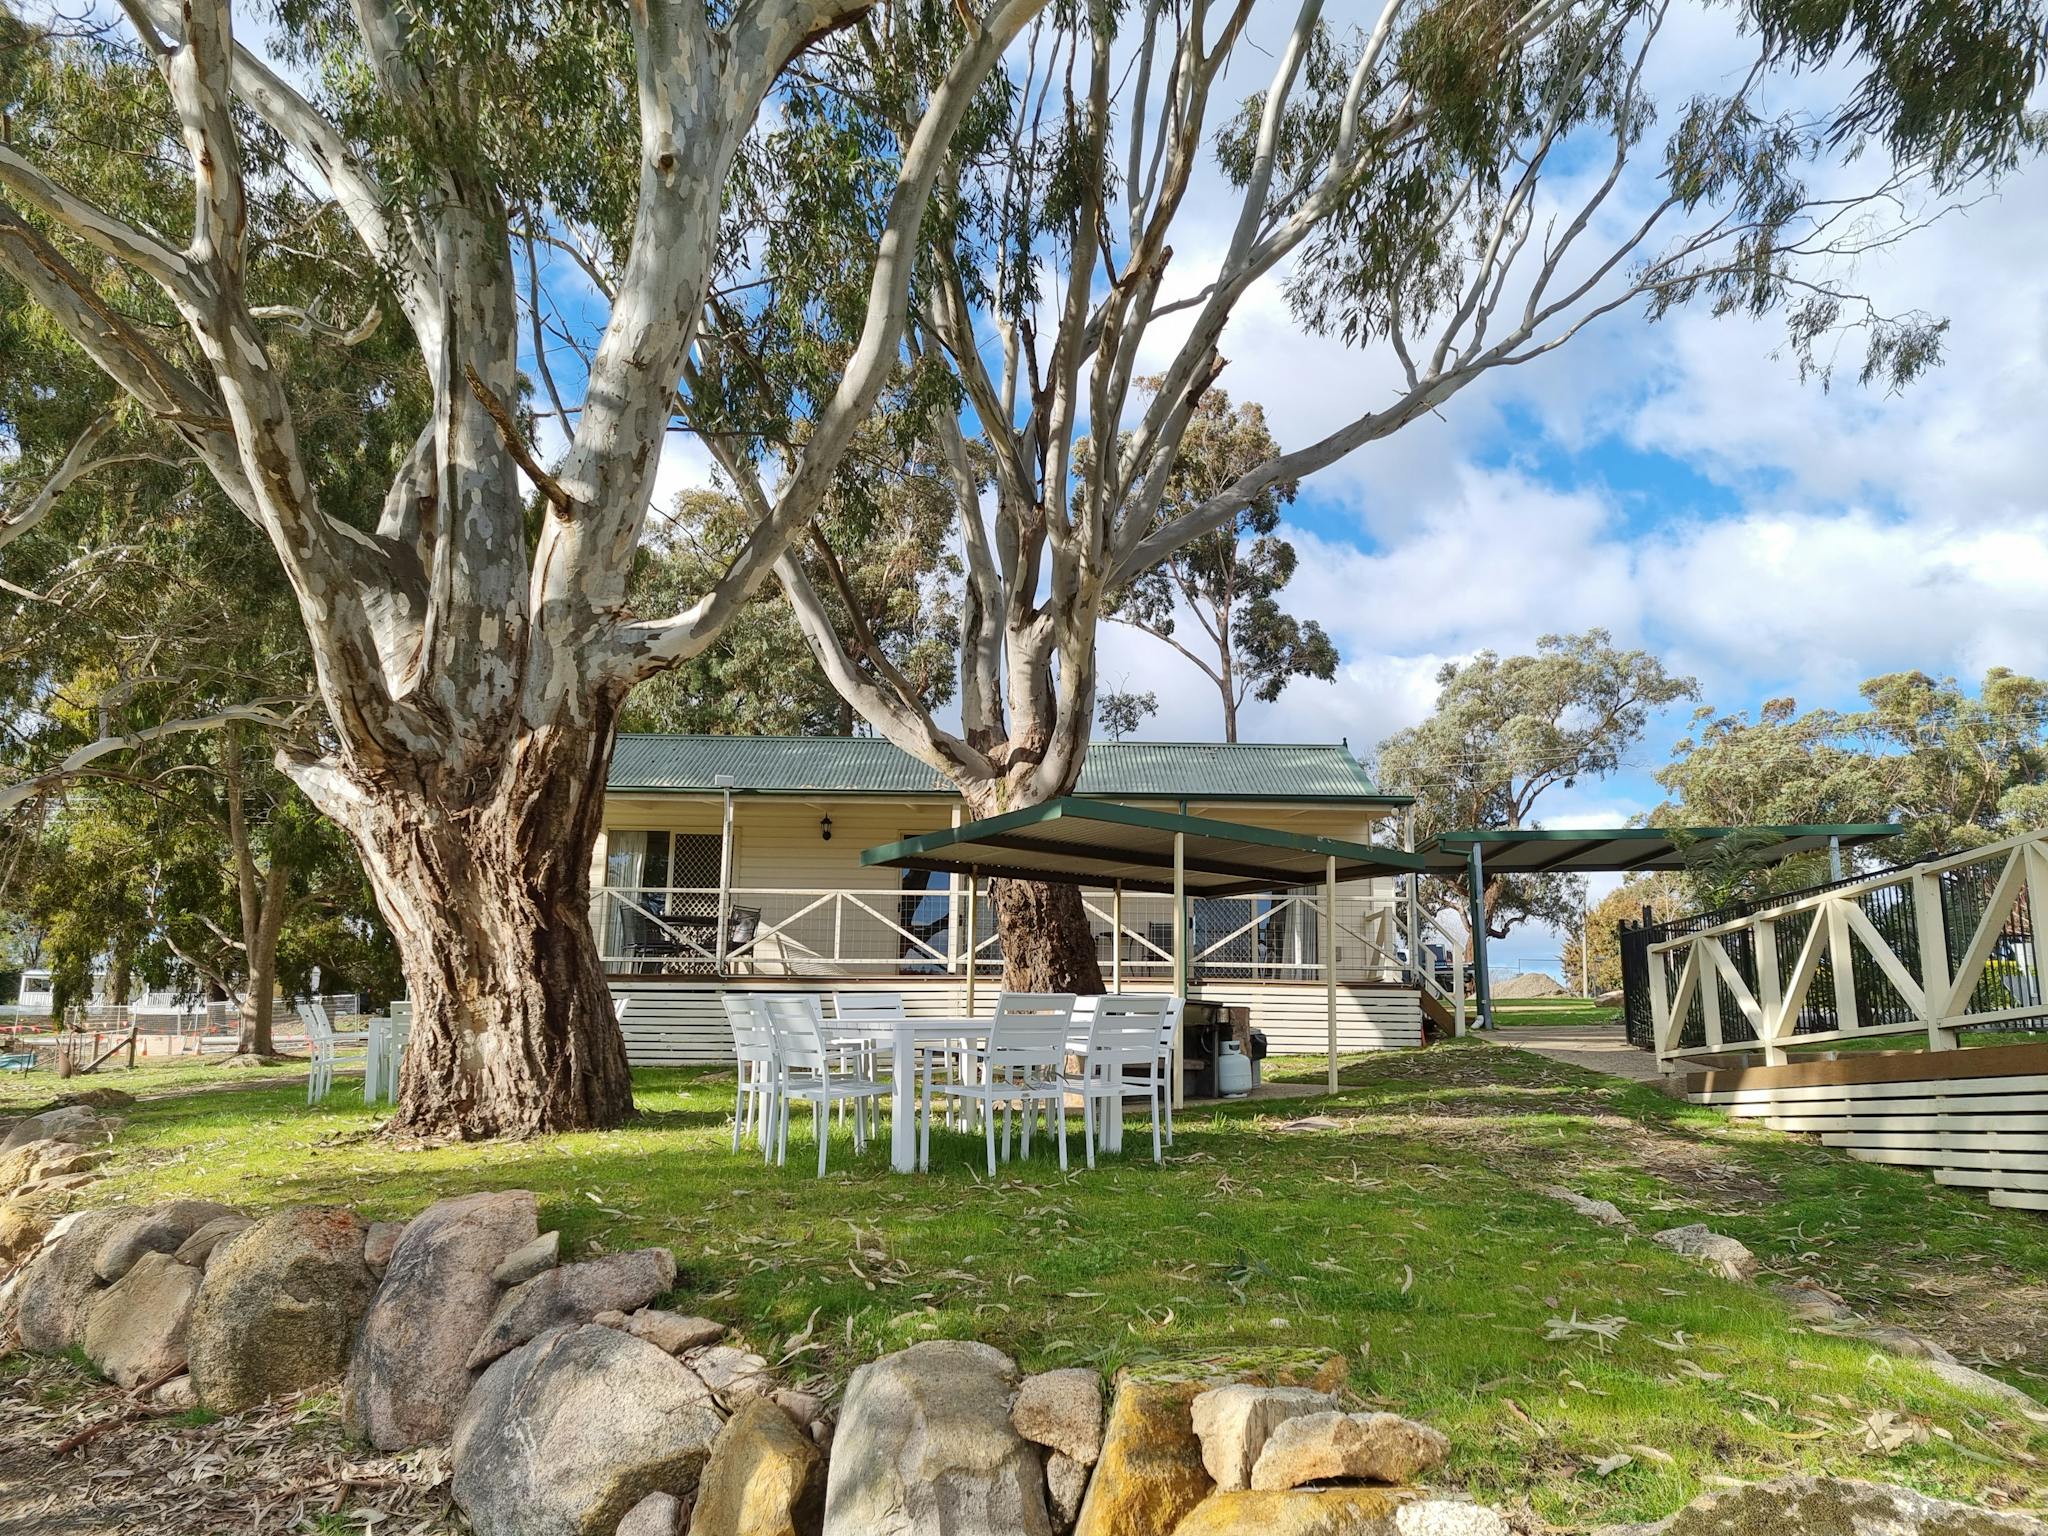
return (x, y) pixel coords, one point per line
(1666, 897)
(463, 602)
(1229, 581)
(141, 871)
(1506, 731)
(892, 581)
(1956, 769)
(1122, 710)
(137, 613)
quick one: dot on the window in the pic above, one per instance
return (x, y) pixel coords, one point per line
(925, 915)
(665, 910)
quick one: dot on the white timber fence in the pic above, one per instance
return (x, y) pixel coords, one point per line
(828, 932)
(1949, 945)
(1977, 1119)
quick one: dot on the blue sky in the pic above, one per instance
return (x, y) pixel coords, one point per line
(1676, 483)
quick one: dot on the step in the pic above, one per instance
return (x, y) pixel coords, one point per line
(2030, 1124)
(2020, 1200)
(1916, 1157)
(1942, 1140)
(1971, 1178)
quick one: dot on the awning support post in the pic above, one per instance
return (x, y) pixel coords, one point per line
(973, 932)
(1116, 937)
(1413, 882)
(953, 912)
(1330, 959)
(1180, 957)
(1475, 880)
(724, 937)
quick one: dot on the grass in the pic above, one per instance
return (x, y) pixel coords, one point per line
(1399, 1230)
(1552, 1011)
(25, 1091)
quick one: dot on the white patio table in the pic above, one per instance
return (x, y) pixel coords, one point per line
(903, 1037)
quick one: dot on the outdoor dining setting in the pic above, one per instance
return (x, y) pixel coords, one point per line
(1039, 1057)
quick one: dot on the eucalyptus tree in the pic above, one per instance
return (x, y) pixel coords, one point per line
(1228, 581)
(1955, 769)
(470, 646)
(1506, 732)
(1455, 188)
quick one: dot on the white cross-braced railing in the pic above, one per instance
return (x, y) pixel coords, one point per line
(1885, 950)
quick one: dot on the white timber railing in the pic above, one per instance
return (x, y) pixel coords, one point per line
(1948, 945)
(814, 931)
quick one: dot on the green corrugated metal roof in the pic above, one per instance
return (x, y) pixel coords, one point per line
(868, 765)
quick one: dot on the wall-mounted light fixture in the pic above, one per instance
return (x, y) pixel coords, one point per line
(825, 828)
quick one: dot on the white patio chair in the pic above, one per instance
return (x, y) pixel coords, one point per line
(1022, 1066)
(1127, 1033)
(1169, 1049)
(863, 1009)
(325, 1043)
(804, 1070)
(753, 1049)
(934, 1057)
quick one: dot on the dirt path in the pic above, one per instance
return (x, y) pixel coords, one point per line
(1597, 1047)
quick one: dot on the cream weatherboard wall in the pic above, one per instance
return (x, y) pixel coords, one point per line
(779, 852)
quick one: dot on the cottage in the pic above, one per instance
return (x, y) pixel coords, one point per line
(736, 862)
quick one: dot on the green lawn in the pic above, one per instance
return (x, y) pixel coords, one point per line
(21, 1091)
(1401, 1231)
(1511, 1011)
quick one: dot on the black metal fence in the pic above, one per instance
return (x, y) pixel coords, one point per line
(2010, 979)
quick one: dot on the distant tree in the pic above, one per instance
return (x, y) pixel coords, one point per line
(1121, 712)
(1955, 769)
(1966, 765)
(1506, 731)
(1228, 580)
(1663, 894)
(888, 574)
(197, 866)
(1782, 768)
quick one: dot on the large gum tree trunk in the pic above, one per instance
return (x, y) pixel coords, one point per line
(487, 894)
(1048, 945)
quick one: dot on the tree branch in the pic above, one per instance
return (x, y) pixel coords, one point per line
(515, 444)
(84, 757)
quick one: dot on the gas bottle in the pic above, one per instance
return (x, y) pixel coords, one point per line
(1233, 1071)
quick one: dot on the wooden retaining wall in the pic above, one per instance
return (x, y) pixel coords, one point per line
(1974, 1118)
(681, 1022)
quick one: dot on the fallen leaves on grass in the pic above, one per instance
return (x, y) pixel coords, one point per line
(276, 1469)
(1559, 1329)
(1887, 1431)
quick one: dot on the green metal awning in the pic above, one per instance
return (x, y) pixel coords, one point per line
(1087, 841)
(1624, 850)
